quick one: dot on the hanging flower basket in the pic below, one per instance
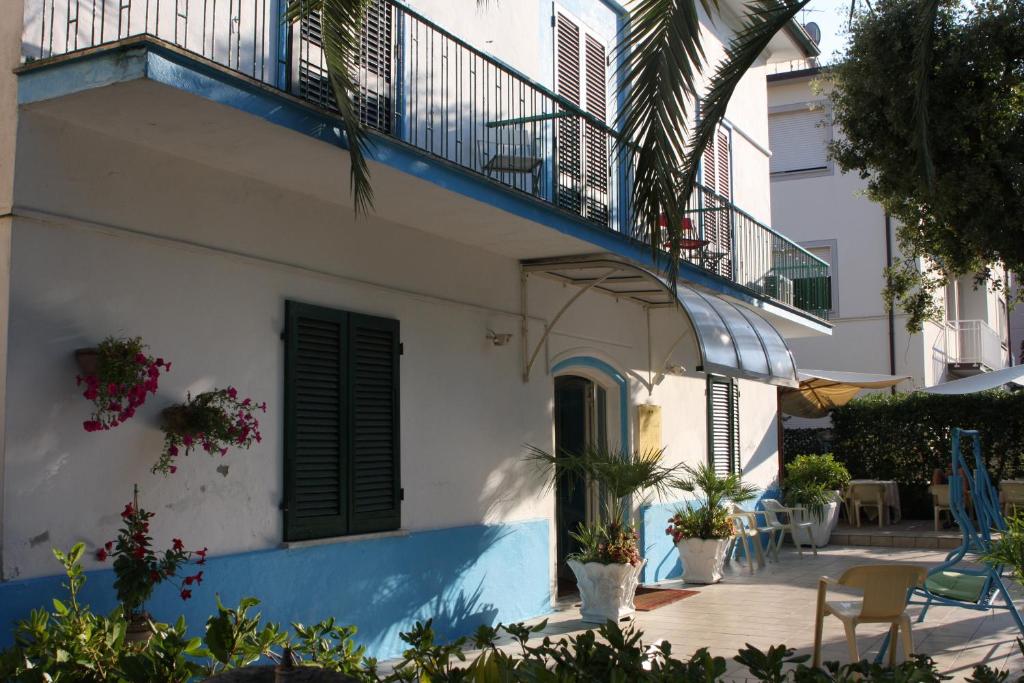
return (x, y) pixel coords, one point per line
(213, 420)
(118, 377)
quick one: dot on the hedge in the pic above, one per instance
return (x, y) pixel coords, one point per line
(805, 441)
(906, 436)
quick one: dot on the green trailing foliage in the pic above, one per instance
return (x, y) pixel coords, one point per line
(73, 644)
(940, 82)
(905, 437)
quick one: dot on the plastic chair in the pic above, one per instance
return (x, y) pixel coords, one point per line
(745, 528)
(885, 589)
(784, 520)
(940, 501)
(1011, 495)
(867, 495)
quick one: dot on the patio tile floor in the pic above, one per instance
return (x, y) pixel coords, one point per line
(776, 605)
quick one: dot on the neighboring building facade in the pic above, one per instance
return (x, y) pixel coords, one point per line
(191, 187)
(825, 211)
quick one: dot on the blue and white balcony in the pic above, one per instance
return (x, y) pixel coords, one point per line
(525, 172)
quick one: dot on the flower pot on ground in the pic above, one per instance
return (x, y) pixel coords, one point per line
(702, 531)
(608, 564)
(213, 420)
(118, 376)
(814, 483)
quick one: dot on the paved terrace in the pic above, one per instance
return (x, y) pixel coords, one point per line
(776, 605)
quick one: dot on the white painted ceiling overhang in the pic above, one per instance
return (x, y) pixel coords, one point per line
(732, 340)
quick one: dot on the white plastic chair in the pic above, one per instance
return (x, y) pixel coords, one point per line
(885, 589)
(785, 520)
(871, 496)
(745, 527)
(940, 501)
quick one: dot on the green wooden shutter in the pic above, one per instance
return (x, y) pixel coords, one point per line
(723, 425)
(375, 502)
(341, 423)
(316, 417)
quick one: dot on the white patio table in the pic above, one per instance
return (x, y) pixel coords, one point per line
(892, 497)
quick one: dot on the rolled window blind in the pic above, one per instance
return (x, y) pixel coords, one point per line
(799, 141)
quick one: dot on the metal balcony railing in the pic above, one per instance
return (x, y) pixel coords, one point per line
(419, 84)
(974, 342)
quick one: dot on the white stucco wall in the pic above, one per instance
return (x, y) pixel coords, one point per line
(126, 241)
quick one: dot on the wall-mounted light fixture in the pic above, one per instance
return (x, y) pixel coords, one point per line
(499, 338)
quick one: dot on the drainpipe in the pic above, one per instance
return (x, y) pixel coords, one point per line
(1009, 329)
(892, 313)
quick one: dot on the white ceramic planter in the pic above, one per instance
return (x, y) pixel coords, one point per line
(821, 529)
(606, 590)
(702, 559)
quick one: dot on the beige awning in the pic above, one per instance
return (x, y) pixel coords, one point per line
(822, 390)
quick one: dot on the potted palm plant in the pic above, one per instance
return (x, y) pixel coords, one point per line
(702, 530)
(814, 485)
(608, 563)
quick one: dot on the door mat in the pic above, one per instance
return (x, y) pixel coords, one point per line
(648, 599)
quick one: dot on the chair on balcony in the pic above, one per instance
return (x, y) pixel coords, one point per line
(498, 158)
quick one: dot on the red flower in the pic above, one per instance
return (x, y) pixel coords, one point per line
(173, 469)
(101, 555)
(177, 544)
(198, 577)
(109, 545)
(154, 577)
(232, 392)
(167, 367)
(92, 425)
(128, 510)
(139, 553)
(185, 594)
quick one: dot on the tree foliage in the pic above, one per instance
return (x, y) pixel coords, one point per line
(961, 209)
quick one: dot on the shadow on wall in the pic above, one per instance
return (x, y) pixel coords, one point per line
(461, 577)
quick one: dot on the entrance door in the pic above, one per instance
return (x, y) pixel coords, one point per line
(580, 422)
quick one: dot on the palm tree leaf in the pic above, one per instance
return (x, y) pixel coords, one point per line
(662, 55)
(342, 24)
(764, 19)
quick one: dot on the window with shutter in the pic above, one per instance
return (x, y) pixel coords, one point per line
(341, 423)
(716, 176)
(372, 72)
(723, 425)
(581, 76)
(799, 141)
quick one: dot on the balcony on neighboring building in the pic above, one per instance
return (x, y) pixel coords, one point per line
(423, 88)
(972, 347)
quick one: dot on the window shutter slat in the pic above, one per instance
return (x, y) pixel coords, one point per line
(316, 446)
(723, 426)
(375, 503)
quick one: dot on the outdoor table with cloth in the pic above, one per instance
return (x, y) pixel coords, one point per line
(892, 496)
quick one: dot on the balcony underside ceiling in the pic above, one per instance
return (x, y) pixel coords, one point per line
(156, 98)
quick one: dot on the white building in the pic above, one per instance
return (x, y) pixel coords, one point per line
(826, 212)
(178, 175)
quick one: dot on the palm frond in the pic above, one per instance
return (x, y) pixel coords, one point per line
(342, 23)
(924, 52)
(713, 490)
(662, 56)
(764, 19)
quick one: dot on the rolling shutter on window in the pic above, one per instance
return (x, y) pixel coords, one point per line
(799, 141)
(341, 423)
(723, 425)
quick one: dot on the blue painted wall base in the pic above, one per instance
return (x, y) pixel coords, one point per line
(461, 577)
(662, 556)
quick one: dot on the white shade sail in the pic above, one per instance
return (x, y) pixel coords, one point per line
(982, 382)
(733, 340)
(822, 390)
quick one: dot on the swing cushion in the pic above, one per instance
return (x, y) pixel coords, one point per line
(956, 586)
